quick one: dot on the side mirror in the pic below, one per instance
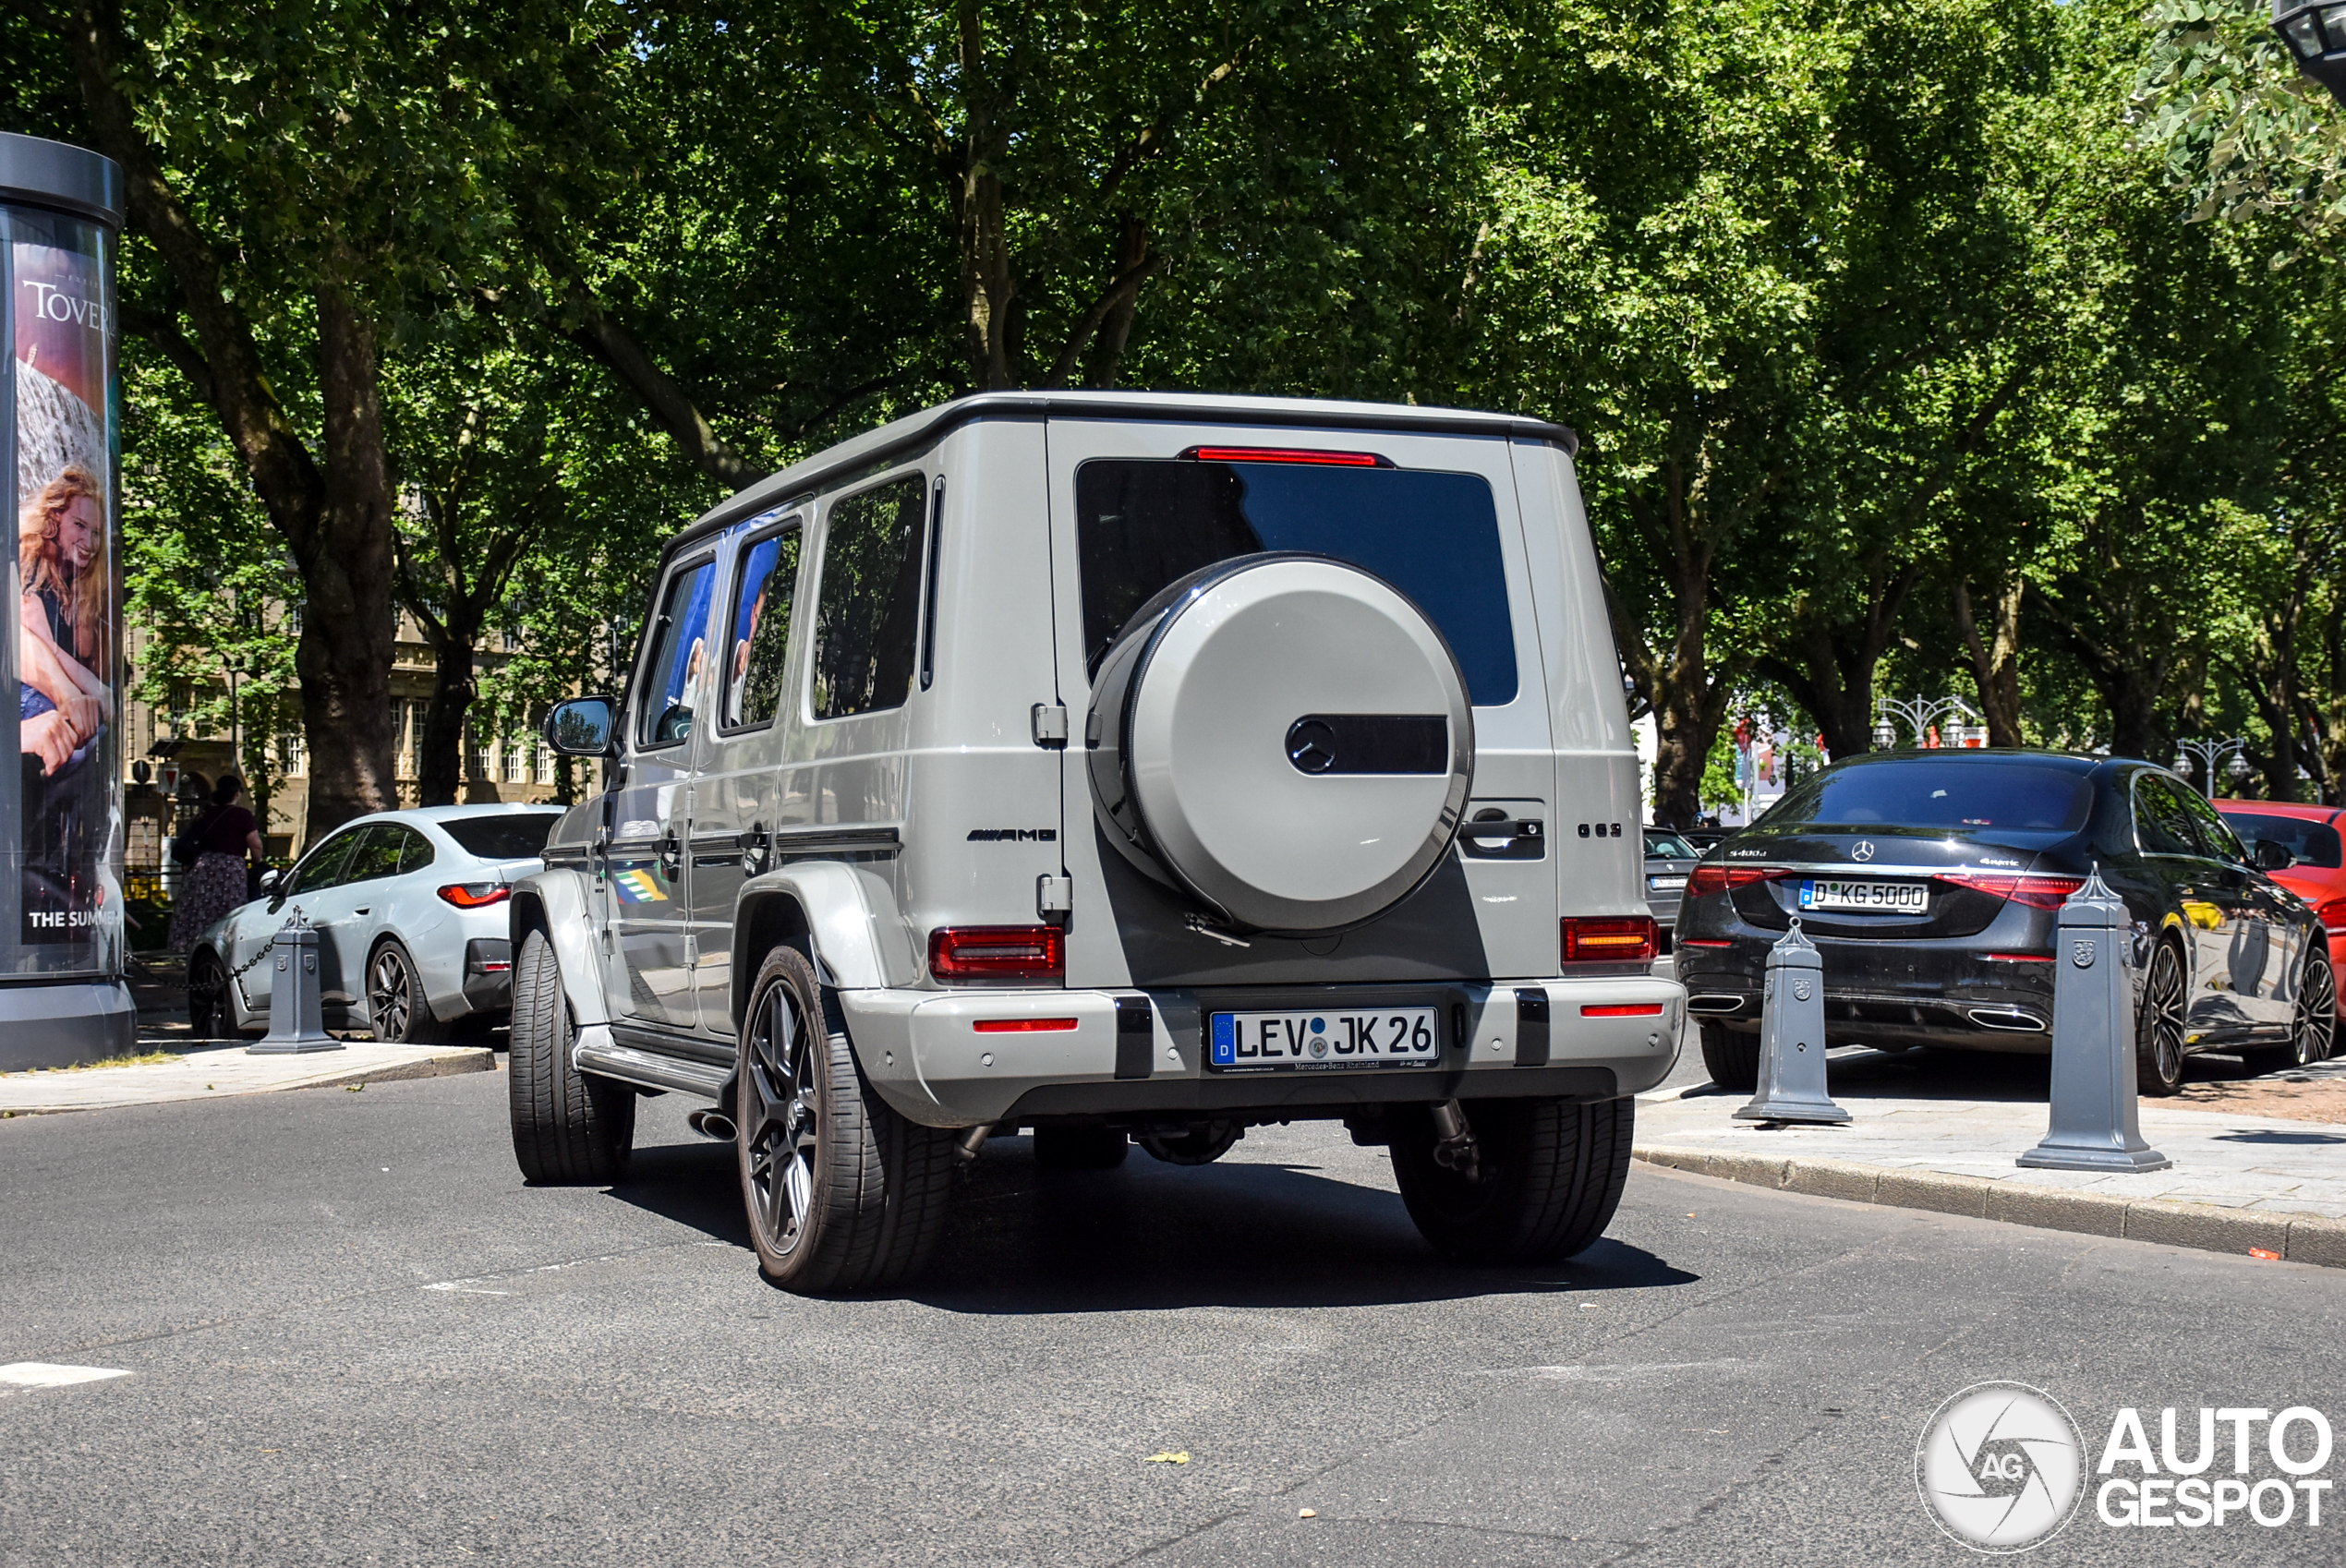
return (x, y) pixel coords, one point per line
(270, 878)
(584, 727)
(2273, 855)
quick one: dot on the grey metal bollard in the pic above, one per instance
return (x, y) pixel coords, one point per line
(2094, 1125)
(297, 1011)
(1792, 1038)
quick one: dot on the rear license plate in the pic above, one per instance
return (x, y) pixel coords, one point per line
(1325, 1040)
(1880, 898)
(1666, 884)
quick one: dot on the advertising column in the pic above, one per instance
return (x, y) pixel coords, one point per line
(61, 996)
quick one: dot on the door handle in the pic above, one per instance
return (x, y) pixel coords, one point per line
(672, 854)
(755, 845)
(363, 908)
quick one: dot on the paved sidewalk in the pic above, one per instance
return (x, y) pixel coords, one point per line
(2238, 1182)
(212, 1072)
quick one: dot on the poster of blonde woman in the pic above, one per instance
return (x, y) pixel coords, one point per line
(65, 637)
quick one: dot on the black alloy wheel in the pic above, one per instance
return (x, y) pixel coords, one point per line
(208, 1012)
(2159, 1024)
(2312, 1023)
(781, 1121)
(395, 1004)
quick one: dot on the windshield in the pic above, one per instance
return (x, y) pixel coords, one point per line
(2314, 843)
(507, 836)
(1927, 792)
(1142, 525)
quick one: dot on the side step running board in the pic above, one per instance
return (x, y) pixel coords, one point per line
(594, 1052)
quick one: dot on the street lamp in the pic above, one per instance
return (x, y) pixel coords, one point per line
(1920, 714)
(2210, 752)
(2316, 35)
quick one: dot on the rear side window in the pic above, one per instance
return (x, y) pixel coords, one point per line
(377, 855)
(680, 653)
(506, 836)
(2162, 823)
(2216, 837)
(761, 630)
(1925, 792)
(415, 852)
(867, 606)
(2314, 843)
(1142, 523)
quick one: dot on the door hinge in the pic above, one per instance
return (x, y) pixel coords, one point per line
(1053, 896)
(1051, 724)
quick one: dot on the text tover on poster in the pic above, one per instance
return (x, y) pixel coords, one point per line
(61, 820)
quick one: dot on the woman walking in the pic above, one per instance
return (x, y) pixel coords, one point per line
(226, 835)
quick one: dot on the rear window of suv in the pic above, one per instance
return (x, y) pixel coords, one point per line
(507, 836)
(1925, 792)
(1144, 522)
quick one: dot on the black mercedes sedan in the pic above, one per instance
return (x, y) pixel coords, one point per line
(1931, 882)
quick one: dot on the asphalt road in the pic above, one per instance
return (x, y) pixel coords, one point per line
(353, 1336)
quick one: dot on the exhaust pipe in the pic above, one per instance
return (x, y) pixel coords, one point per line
(2010, 1019)
(711, 1122)
(1714, 1002)
(971, 1140)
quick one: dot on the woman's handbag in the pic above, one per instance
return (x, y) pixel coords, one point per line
(187, 848)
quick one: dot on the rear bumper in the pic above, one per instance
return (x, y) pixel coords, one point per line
(922, 1051)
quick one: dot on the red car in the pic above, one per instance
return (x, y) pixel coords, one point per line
(2311, 834)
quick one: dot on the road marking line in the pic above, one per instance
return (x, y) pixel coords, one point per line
(45, 1374)
(466, 1289)
(1611, 1374)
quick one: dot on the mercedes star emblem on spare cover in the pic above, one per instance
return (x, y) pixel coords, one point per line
(1862, 849)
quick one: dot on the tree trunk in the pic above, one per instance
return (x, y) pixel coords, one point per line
(346, 566)
(440, 751)
(1995, 658)
(1829, 670)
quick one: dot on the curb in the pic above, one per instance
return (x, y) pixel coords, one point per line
(469, 1059)
(2301, 1238)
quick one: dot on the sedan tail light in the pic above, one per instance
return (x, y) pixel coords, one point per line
(997, 952)
(476, 895)
(2036, 890)
(1610, 939)
(2334, 915)
(1705, 880)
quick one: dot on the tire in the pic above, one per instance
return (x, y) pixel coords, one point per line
(209, 1013)
(842, 1193)
(1549, 1178)
(2312, 1027)
(2160, 1019)
(397, 1010)
(569, 1128)
(1733, 1058)
(1079, 1148)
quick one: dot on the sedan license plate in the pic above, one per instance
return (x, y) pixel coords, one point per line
(1666, 884)
(1326, 1040)
(1878, 898)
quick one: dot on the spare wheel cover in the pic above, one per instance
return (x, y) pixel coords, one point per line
(1297, 743)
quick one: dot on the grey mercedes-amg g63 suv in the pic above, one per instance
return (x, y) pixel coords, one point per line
(1116, 767)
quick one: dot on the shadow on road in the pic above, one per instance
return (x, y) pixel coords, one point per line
(1150, 1236)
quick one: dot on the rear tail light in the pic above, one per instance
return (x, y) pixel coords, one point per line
(1288, 454)
(2334, 914)
(1621, 1010)
(1705, 880)
(997, 952)
(1023, 1026)
(1617, 939)
(2034, 889)
(476, 895)
(2022, 958)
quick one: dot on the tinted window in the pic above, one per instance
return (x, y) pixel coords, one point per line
(506, 836)
(415, 852)
(868, 605)
(2216, 837)
(2314, 843)
(761, 629)
(1925, 792)
(322, 867)
(1669, 847)
(2162, 822)
(377, 855)
(680, 653)
(1141, 524)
